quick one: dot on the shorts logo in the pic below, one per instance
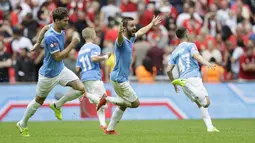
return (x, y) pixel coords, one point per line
(53, 45)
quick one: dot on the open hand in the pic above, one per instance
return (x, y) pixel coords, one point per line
(156, 20)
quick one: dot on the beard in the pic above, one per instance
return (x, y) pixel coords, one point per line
(131, 34)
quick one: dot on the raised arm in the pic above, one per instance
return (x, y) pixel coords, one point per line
(155, 21)
(40, 37)
(120, 34)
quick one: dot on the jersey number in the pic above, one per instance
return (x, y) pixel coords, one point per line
(186, 58)
(86, 63)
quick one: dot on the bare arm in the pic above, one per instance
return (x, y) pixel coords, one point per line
(201, 60)
(120, 36)
(78, 69)
(40, 37)
(5, 64)
(170, 76)
(60, 55)
(155, 21)
(100, 58)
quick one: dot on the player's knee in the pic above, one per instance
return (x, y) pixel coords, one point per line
(136, 104)
(207, 102)
(40, 100)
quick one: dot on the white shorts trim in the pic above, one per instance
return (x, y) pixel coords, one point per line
(125, 91)
(45, 84)
(195, 90)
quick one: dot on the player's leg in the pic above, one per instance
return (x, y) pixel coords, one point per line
(123, 90)
(68, 78)
(203, 103)
(115, 119)
(97, 89)
(126, 92)
(43, 88)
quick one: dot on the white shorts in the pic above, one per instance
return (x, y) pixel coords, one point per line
(195, 90)
(95, 88)
(124, 91)
(45, 84)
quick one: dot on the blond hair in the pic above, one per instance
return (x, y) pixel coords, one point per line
(88, 33)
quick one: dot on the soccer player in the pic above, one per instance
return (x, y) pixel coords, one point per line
(119, 76)
(185, 57)
(53, 70)
(89, 66)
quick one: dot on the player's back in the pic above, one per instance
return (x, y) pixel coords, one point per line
(89, 70)
(53, 42)
(123, 60)
(182, 56)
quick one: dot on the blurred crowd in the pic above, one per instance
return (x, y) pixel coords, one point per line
(223, 31)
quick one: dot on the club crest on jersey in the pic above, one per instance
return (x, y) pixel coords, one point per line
(53, 45)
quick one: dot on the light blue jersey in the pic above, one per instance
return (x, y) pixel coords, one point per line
(123, 57)
(182, 56)
(89, 70)
(53, 42)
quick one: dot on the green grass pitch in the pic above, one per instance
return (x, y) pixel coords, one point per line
(156, 131)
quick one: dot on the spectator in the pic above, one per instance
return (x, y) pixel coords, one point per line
(146, 72)
(237, 53)
(30, 26)
(5, 63)
(109, 10)
(212, 76)
(24, 67)
(19, 41)
(212, 52)
(156, 56)
(247, 60)
(141, 47)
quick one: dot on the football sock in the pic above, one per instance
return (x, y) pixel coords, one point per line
(31, 109)
(206, 117)
(118, 101)
(101, 116)
(116, 116)
(74, 94)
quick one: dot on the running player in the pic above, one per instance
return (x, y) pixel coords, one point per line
(119, 76)
(53, 70)
(88, 63)
(186, 58)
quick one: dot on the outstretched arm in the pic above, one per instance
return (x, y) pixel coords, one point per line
(40, 37)
(201, 60)
(155, 21)
(100, 58)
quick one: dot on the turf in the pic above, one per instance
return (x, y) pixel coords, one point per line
(159, 131)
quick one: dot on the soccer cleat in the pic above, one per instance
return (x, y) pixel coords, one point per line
(111, 132)
(23, 131)
(102, 102)
(180, 82)
(58, 113)
(103, 127)
(212, 130)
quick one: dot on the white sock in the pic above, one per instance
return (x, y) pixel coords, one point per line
(116, 116)
(118, 101)
(101, 116)
(31, 109)
(206, 117)
(71, 95)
